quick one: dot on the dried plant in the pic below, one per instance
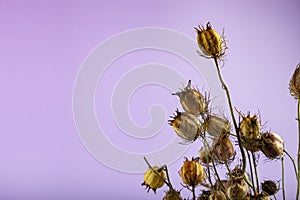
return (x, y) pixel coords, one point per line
(198, 122)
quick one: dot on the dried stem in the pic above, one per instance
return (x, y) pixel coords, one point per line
(293, 161)
(194, 193)
(298, 176)
(255, 171)
(224, 86)
(282, 177)
(251, 172)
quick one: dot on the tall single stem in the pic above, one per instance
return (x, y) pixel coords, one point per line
(224, 86)
(293, 161)
(298, 175)
(282, 177)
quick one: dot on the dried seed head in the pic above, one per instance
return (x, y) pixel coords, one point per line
(215, 125)
(250, 127)
(295, 83)
(217, 195)
(223, 149)
(172, 195)
(270, 187)
(211, 44)
(192, 172)
(205, 155)
(271, 145)
(192, 101)
(237, 189)
(186, 126)
(154, 180)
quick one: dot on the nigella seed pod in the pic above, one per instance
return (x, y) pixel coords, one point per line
(249, 129)
(237, 189)
(204, 195)
(186, 126)
(270, 187)
(192, 173)
(215, 125)
(192, 101)
(261, 196)
(272, 145)
(295, 83)
(154, 180)
(223, 149)
(172, 195)
(211, 44)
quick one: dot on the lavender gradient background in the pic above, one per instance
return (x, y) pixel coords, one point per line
(43, 44)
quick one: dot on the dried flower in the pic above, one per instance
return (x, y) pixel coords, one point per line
(261, 196)
(237, 189)
(186, 126)
(271, 145)
(192, 172)
(210, 42)
(154, 180)
(295, 83)
(192, 101)
(204, 195)
(172, 195)
(249, 129)
(215, 125)
(270, 187)
(223, 149)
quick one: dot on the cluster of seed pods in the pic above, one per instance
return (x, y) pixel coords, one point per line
(196, 121)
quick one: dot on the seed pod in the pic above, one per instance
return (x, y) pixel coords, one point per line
(261, 196)
(217, 195)
(223, 149)
(192, 101)
(205, 155)
(250, 127)
(271, 145)
(192, 173)
(210, 42)
(270, 187)
(215, 125)
(152, 180)
(295, 83)
(186, 126)
(237, 189)
(172, 195)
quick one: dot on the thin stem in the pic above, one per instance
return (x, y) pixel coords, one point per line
(255, 171)
(168, 177)
(224, 86)
(251, 172)
(293, 161)
(282, 177)
(194, 193)
(298, 177)
(168, 184)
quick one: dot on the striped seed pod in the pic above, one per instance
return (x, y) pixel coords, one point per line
(210, 42)
(223, 149)
(186, 126)
(249, 129)
(192, 172)
(205, 155)
(270, 187)
(237, 189)
(295, 83)
(216, 126)
(217, 195)
(154, 180)
(272, 145)
(192, 101)
(172, 195)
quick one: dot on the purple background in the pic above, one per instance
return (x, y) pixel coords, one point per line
(43, 44)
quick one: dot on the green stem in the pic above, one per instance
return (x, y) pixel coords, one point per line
(298, 177)
(293, 161)
(255, 171)
(251, 172)
(224, 86)
(282, 177)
